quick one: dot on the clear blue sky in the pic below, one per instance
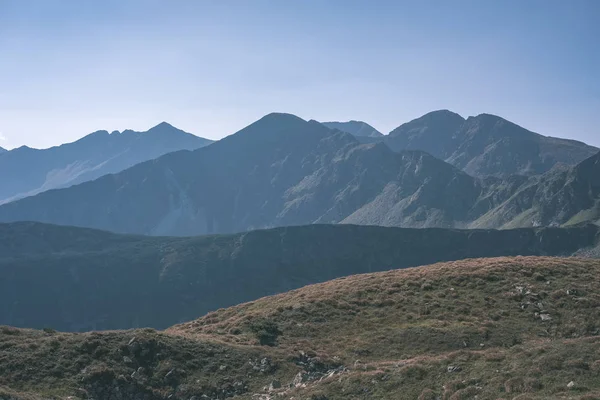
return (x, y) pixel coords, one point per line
(71, 67)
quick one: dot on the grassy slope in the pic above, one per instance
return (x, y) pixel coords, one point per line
(408, 327)
(449, 331)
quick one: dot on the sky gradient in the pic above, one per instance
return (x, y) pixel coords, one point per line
(72, 67)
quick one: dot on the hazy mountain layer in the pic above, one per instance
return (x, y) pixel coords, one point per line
(26, 171)
(279, 171)
(283, 171)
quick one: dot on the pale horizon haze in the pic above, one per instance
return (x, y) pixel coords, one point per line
(70, 67)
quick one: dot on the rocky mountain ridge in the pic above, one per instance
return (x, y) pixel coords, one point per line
(26, 171)
(282, 170)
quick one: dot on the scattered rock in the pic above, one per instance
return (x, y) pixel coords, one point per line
(453, 368)
(545, 317)
(133, 345)
(138, 374)
(263, 365)
(299, 379)
(571, 385)
(274, 385)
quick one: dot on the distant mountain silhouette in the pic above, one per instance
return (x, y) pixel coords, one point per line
(356, 128)
(25, 171)
(2, 150)
(486, 145)
(282, 171)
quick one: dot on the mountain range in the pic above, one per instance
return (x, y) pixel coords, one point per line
(518, 328)
(486, 145)
(76, 279)
(25, 171)
(2, 150)
(346, 315)
(282, 171)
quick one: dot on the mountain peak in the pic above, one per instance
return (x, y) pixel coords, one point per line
(94, 136)
(271, 128)
(279, 117)
(497, 127)
(274, 122)
(440, 123)
(443, 113)
(163, 125)
(487, 117)
(356, 128)
(3, 150)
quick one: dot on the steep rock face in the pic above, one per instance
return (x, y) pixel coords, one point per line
(561, 196)
(278, 171)
(494, 146)
(487, 145)
(80, 279)
(424, 193)
(356, 128)
(26, 171)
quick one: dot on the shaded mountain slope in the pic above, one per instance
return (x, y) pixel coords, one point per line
(79, 279)
(2, 150)
(486, 145)
(561, 196)
(283, 171)
(515, 328)
(26, 171)
(279, 171)
(434, 132)
(356, 128)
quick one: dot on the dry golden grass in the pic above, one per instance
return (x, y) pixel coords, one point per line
(479, 312)
(502, 328)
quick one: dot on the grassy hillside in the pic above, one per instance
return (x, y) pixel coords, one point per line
(76, 279)
(503, 328)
